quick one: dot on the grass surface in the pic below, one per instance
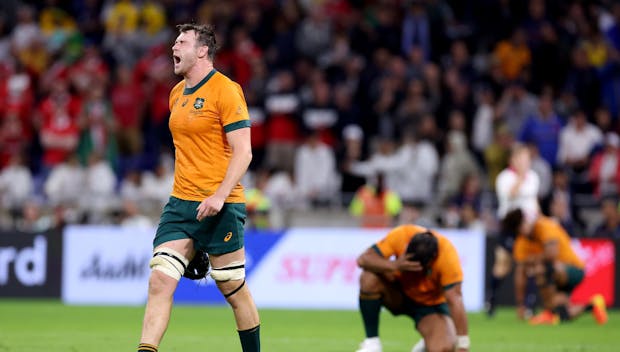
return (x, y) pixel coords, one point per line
(34, 325)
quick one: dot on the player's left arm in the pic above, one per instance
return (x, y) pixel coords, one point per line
(239, 141)
(454, 298)
(451, 273)
(233, 110)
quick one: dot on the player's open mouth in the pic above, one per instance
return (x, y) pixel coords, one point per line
(176, 59)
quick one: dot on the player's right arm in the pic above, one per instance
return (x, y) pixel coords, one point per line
(377, 258)
(372, 260)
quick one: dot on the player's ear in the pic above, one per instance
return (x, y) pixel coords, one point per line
(203, 51)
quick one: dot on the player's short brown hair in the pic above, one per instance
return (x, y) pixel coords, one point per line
(205, 35)
(424, 248)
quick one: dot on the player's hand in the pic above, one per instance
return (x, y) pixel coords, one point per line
(404, 263)
(210, 206)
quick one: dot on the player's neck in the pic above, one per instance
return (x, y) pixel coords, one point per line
(197, 73)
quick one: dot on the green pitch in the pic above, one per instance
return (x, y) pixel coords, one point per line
(35, 326)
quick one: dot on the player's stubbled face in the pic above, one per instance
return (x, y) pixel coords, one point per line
(184, 52)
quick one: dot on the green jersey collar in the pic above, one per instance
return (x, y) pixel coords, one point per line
(192, 90)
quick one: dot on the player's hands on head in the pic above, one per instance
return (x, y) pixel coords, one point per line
(210, 206)
(404, 263)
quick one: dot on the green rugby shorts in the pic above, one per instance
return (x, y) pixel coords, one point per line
(417, 311)
(219, 234)
(575, 276)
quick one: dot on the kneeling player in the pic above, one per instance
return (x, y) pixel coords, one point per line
(423, 282)
(543, 250)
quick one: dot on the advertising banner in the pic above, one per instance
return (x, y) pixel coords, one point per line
(300, 268)
(106, 265)
(599, 256)
(30, 264)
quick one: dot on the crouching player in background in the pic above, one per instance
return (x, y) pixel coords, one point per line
(542, 250)
(422, 282)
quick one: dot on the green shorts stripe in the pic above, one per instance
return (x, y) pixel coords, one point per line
(219, 234)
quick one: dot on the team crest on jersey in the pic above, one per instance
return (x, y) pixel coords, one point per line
(199, 103)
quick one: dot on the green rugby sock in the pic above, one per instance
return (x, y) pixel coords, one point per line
(370, 309)
(147, 347)
(250, 339)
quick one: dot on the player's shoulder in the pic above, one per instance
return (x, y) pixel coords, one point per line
(223, 81)
(178, 88)
(443, 241)
(545, 221)
(547, 227)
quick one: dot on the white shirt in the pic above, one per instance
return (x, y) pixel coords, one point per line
(16, 185)
(419, 167)
(137, 221)
(24, 34)
(315, 170)
(157, 188)
(65, 184)
(545, 175)
(409, 172)
(526, 197)
(100, 179)
(577, 144)
(607, 174)
(100, 186)
(281, 191)
(482, 132)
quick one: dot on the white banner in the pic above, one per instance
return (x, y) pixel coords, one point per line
(106, 265)
(316, 268)
(306, 267)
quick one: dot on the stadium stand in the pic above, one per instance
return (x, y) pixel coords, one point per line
(84, 88)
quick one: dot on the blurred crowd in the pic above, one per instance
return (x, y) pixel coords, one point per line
(395, 111)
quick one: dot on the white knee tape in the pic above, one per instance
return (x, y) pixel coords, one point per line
(419, 347)
(169, 262)
(232, 271)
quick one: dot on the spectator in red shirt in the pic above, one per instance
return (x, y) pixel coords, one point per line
(59, 131)
(14, 137)
(128, 102)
